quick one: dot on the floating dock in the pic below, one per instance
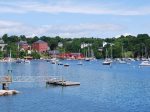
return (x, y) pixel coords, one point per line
(63, 83)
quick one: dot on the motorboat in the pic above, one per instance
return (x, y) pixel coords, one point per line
(87, 59)
(60, 63)
(106, 62)
(80, 63)
(145, 63)
(122, 62)
(26, 61)
(66, 65)
(19, 61)
(54, 60)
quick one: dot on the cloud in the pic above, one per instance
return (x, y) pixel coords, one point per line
(67, 30)
(71, 7)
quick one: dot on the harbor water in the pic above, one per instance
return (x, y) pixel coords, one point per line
(115, 88)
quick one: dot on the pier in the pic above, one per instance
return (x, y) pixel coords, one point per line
(5, 81)
(62, 83)
(54, 80)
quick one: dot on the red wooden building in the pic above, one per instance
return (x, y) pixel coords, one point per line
(40, 46)
(71, 56)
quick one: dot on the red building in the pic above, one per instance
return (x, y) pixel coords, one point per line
(23, 45)
(71, 56)
(40, 46)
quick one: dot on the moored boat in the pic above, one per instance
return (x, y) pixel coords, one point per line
(26, 61)
(145, 63)
(80, 63)
(106, 62)
(66, 65)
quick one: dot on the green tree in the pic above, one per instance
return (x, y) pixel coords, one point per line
(35, 55)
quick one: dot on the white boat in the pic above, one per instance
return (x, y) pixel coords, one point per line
(87, 59)
(106, 62)
(9, 59)
(144, 59)
(26, 61)
(145, 63)
(19, 61)
(131, 59)
(90, 55)
(60, 63)
(122, 61)
(66, 65)
(80, 63)
(54, 60)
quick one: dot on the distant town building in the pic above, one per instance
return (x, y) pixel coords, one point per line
(40, 46)
(2, 45)
(23, 45)
(83, 45)
(60, 44)
(54, 52)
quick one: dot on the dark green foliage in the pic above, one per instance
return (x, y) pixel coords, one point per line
(22, 54)
(1, 54)
(35, 55)
(136, 46)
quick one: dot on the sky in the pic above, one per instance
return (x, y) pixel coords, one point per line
(75, 18)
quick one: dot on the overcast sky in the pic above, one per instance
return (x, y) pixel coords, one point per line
(75, 18)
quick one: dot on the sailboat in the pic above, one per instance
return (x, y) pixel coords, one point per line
(87, 55)
(90, 55)
(9, 59)
(54, 60)
(122, 61)
(107, 61)
(145, 63)
(80, 62)
(26, 61)
(145, 60)
(66, 65)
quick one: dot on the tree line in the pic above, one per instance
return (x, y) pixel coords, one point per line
(134, 46)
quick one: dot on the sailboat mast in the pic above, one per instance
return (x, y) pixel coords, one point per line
(122, 51)
(106, 53)
(10, 54)
(111, 52)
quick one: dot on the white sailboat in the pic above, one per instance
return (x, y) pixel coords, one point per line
(107, 61)
(145, 63)
(122, 61)
(80, 62)
(87, 55)
(66, 65)
(9, 59)
(90, 55)
(145, 59)
(26, 61)
(54, 60)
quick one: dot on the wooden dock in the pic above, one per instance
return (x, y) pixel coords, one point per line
(63, 83)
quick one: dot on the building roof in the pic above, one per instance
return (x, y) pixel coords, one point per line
(40, 41)
(22, 43)
(54, 52)
(1, 42)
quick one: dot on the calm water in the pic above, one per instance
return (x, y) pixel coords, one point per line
(119, 88)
